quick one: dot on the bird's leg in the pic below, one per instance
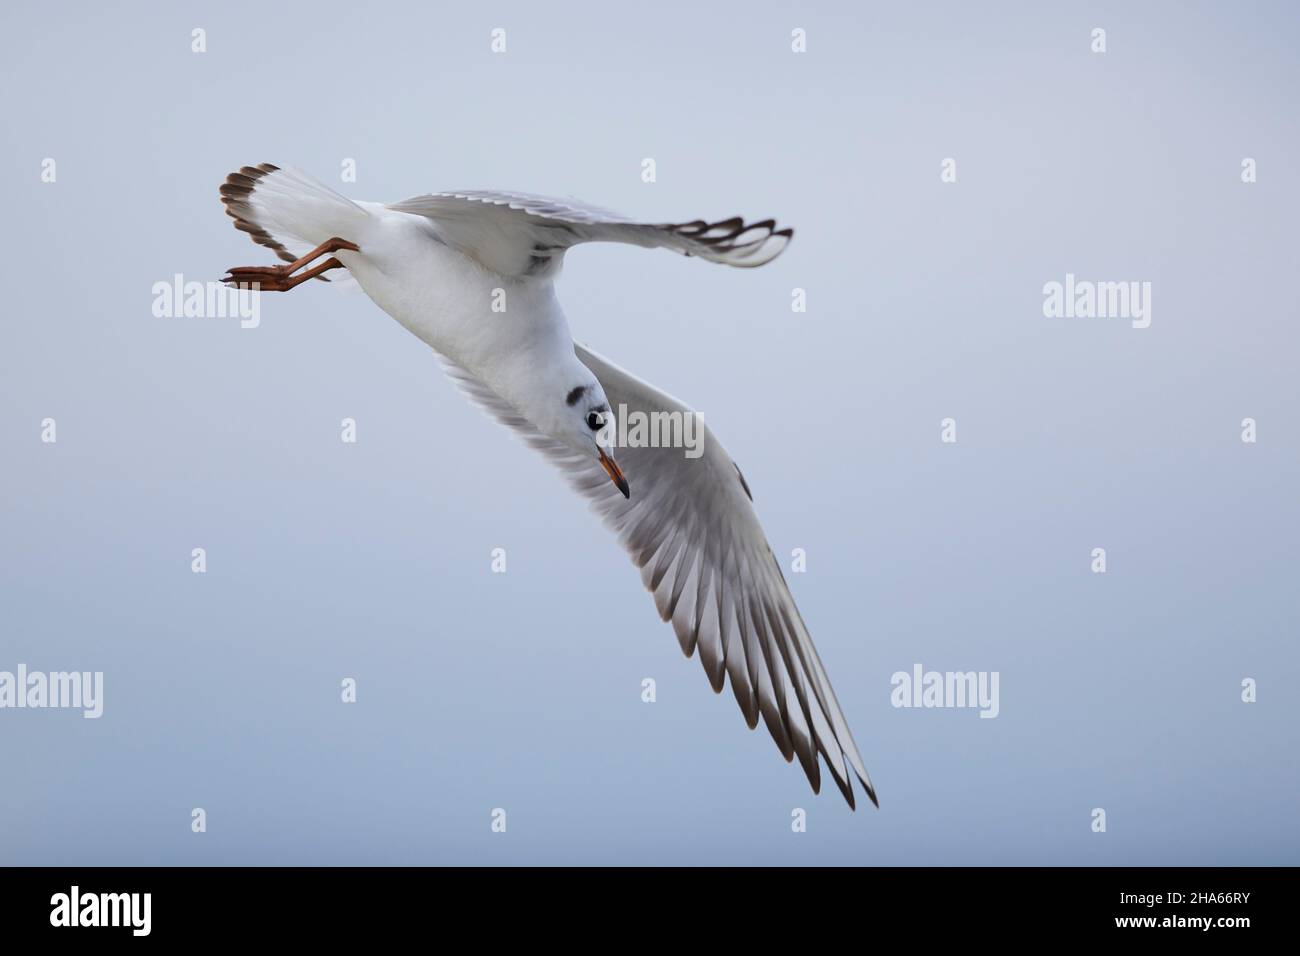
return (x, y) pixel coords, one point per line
(281, 278)
(274, 282)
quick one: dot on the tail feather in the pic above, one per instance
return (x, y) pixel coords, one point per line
(286, 210)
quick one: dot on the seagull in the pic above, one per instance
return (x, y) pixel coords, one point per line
(472, 274)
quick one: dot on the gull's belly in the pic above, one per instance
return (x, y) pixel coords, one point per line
(463, 311)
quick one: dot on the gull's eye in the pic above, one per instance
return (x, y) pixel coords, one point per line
(595, 421)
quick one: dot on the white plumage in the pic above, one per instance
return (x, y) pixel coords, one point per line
(437, 263)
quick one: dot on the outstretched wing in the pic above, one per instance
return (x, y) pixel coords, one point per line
(517, 234)
(691, 528)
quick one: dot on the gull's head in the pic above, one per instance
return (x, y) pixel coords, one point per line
(588, 427)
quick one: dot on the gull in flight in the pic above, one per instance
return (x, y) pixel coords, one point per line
(437, 263)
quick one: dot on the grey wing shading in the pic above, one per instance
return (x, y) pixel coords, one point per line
(691, 529)
(517, 234)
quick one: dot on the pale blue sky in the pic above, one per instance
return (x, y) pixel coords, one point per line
(522, 690)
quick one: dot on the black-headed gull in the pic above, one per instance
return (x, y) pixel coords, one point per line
(472, 274)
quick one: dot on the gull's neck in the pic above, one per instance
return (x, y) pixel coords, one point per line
(537, 369)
